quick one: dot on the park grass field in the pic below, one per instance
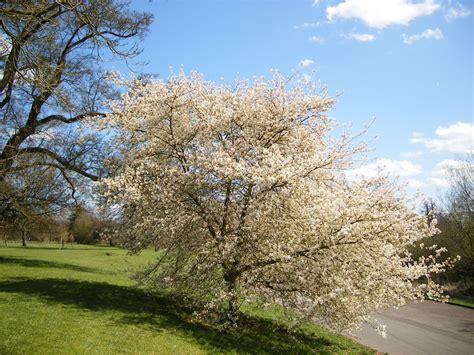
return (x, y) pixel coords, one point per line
(81, 300)
(466, 301)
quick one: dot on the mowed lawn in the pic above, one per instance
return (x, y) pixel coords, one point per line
(81, 300)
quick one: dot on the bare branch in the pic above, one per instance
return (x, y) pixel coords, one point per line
(64, 162)
(63, 119)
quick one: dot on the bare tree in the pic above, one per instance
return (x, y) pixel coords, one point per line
(35, 193)
(429, 208)
(455, 221)
(51, 82)
(460, 216)
(460, 198)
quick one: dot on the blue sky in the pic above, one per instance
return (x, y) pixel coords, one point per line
(408, 64)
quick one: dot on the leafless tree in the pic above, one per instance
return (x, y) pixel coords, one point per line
(429, 208)
(36, 193)
(455, 220)
(51, 83)
(460, 198)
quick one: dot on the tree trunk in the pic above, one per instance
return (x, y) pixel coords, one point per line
(230, 278)
(10, 149)
(23, 238)
(5, 238)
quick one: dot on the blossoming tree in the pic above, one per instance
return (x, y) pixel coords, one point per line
(242, 187)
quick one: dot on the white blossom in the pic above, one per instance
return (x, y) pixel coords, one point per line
(243, 188)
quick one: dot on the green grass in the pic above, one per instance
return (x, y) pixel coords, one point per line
(80, 300)
(466, 302)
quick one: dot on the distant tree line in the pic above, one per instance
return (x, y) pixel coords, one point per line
(455, 221)
(82, 226)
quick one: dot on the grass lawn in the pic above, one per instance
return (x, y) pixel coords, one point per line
(466, 302)
(80, 300)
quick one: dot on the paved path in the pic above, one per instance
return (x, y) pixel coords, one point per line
(423, 328)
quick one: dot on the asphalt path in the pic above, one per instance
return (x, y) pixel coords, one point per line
(423, 328)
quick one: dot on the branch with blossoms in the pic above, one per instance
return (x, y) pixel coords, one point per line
(243, 189)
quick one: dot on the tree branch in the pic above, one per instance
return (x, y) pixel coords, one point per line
(61, 160)
(63, 119)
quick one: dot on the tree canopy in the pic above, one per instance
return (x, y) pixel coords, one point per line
(51, 81)
(243, 188)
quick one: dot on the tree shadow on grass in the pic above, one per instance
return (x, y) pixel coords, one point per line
(156, 313)
(56, 247)
(45, 264)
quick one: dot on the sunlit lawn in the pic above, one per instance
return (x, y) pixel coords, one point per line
(80, 300)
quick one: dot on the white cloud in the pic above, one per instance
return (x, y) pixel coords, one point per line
(9, 131)
(416, 184)
(439, 182)
(316, 2)
(442, 168)
(380, 14)
(363, 37)
(426, 34)
(305, 63)
(411, 154)
(457, 138)
(440, 173)
(401, 168)
(308, 25)
(455, 12)
(5, 45)
(41, 137)
(315, 39)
